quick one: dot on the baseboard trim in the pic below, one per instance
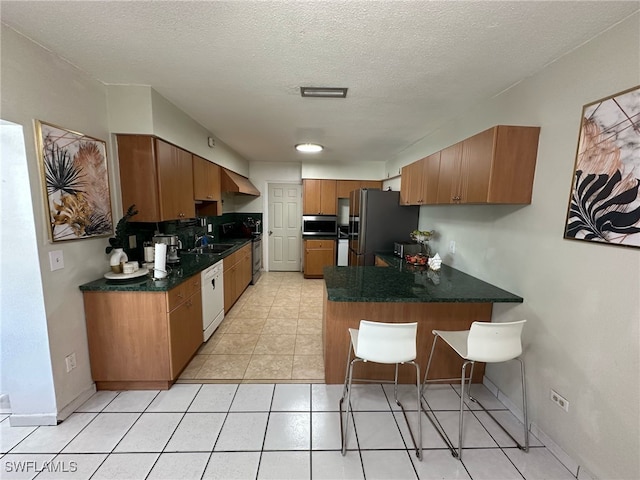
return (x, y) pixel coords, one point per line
(556, 450)
(32, 419)
(76, 402)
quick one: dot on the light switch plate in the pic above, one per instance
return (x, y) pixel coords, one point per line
(56, 260)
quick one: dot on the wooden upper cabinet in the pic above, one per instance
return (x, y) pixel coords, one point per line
(157, 177)
(419, 181)
(319, 197)
(206, 180)
(175, 181)
(449, 176)
(494, 166)
(345, 187)
(411, 184)
(371, 184)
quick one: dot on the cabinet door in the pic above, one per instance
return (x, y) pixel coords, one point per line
(477, 154)
(371, 184)
(411, 184)
(229, 280)
(139, 176)
(175, 182)
(449, 177)
(247, 266)
(311, 190)
(317, 255)
(206, 180)
(185, 332)
(328, 197)
(319, 197)
(514, 164)
(345, 187)
(243, 270)
(430, 178)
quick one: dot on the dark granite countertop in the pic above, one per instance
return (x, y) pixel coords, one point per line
(404, 283)
(190, 265)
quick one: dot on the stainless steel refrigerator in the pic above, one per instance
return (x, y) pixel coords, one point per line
(376, 221)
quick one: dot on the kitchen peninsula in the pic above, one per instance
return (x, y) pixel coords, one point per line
(447, 300)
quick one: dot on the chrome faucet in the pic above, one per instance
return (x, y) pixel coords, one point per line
(203, 240)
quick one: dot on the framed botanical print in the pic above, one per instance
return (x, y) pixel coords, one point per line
(76, 183)
(604, 204)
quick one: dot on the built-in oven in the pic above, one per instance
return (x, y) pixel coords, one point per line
(320, 225)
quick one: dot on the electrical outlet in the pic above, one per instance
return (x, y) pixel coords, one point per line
(56, 260)
(132, 241)
(559, 400)
(70, 361)
(452, 247)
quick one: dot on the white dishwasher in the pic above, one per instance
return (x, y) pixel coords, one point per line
(212, 299)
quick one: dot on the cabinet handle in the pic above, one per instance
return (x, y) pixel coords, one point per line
(209, 196)
(180, 295)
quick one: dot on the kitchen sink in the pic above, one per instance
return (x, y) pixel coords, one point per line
(215, 248)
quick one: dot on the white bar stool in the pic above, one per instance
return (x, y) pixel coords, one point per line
(389, 343)
(484, 342)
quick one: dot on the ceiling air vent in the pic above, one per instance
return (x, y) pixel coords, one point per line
(323, 92)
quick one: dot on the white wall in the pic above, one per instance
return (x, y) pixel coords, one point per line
(352, 171)
(129, 109)
(38, 85)
(142, 110)
(580, 299)
(24, 345)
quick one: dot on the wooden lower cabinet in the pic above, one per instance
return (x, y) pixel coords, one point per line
(339, 317)
(143, 340)
(237, 270)
(317, 255)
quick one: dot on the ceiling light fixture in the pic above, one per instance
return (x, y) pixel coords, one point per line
(323, 92)
(309, 147)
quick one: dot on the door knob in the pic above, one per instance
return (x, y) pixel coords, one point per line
(270, 232)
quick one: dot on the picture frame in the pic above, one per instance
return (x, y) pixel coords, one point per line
(75, 179)
(604, 202)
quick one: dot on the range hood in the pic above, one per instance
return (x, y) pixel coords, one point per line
(234, 183)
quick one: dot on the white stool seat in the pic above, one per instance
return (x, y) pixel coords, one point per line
(387, 343)
(483, 342)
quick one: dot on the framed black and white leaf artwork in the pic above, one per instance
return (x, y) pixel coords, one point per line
(76, 183)
(604, 204)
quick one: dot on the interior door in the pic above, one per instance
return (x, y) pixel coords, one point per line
(284, 236)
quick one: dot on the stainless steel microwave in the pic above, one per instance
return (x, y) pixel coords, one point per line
(320, 225)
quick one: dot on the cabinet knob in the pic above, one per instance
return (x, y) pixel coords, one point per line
(209, 196)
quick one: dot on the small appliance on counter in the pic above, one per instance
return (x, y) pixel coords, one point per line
(400, 249)
(173, 244)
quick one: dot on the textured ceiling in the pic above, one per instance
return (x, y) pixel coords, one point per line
(236, 66)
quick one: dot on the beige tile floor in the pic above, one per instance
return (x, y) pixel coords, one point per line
(272, 333)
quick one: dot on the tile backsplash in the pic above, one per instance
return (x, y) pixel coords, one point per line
(187, 230)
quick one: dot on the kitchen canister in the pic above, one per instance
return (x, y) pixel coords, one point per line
(149, 252)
